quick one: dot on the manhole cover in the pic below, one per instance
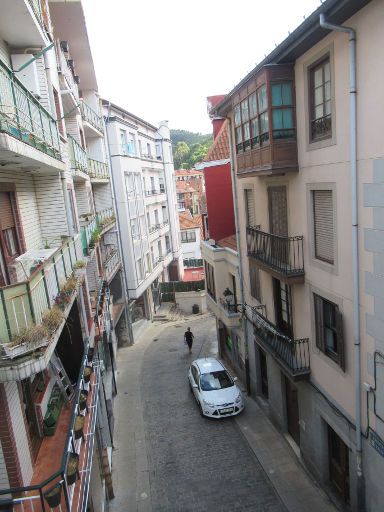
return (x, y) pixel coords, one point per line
(172, 350)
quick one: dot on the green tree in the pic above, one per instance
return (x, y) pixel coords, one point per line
(180, 154)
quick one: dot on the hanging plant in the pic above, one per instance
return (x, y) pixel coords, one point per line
(83, 400)
(87, 373)
(72, 468)
(53, 495)
(79, 426)
(52, 319)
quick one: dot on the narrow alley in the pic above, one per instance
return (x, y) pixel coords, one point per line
(168, 458)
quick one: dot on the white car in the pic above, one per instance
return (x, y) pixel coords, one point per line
(215, 390)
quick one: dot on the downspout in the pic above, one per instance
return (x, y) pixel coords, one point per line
(355, 249)
(240, 268)
(70, 220)
(127, 313)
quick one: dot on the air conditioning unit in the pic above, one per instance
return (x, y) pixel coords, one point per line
(64, 46)
(29, 76)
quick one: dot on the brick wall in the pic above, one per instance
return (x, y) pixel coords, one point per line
(8, 442)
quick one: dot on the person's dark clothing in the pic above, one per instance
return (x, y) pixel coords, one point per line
(188, 338)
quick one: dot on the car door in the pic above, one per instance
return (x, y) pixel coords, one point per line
(196, 379)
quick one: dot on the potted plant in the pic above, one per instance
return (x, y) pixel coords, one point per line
(87, 373)
(83, 400)
(79, 426)
(53, 495)
(29, 340)
(52, 319)
(72, 468)
(79, 268)
(95, 237)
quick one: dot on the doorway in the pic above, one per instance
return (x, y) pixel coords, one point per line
(263, 373)
(292, 401)
(283, 307)
(30, 388)
(338, 454)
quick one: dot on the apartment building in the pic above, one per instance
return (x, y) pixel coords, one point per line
(143, 180)
(311, 248)
(193, 178)
(59, 261)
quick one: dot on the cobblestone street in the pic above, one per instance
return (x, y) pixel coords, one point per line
(168, 457)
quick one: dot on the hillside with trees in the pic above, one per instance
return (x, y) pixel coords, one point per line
(189, 148)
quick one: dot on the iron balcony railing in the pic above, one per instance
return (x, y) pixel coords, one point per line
(72, 491)
(92, 231)
(91, 117)
(98, 170)
(154, 227)
(24, 304)
(36, 8)
(292, 354)
(284, 255)
(65, 70)
(152, 192)
(193, 262)
(78, 156)
(111, 263)
(168, 289)
(106, 217)
(23, 117)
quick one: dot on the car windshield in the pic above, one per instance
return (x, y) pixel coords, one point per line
(215, 380)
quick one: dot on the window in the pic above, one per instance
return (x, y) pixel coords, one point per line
(254, 279)
(320, 98)
(323, 225)
(72, 210)
(254, 120)
(159, 248)
(167, 243)
(8, 226)
(140, 148)
(130, 183)
(158, 151)
(188, 236)
(123, 141)
(152, 184)
(329, 329)
(249, 207)
(165, 214)
(161, 185)
(210, 280)
(262, 104)
(283, 307)
(131, 148)
(282, 111)
(156, 217)
(59, 115)
(149, 152)
(139, 267)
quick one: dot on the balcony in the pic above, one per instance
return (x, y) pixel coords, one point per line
(93, 122)
(92, 230)
(280, 256)
(22, 23)
(98, 171)
(64, 462)
(27, 338)
(111, 265)
(153, 228)
(68, 87)
(25, 119)
(193, 262)
(79, 160)
(292, 355)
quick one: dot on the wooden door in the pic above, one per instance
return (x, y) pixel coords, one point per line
(292, 410)
(338, 464)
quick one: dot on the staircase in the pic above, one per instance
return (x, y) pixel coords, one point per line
(168, 312)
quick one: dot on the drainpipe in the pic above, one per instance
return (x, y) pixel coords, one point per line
(68, 213)
(240, 268)
(124, 274)
(355, 248)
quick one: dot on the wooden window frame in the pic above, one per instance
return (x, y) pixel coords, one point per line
(291, 132)
(8, 259)
(311, 95)
(315, 244)
(210, 280)
(339, 356)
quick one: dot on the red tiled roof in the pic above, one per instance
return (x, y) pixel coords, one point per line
(184, 186)
(220, 147)
(189, 222)
(188, 172)
(229, 241)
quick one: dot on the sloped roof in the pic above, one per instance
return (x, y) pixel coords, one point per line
(184, 186)
(229, 242)
(220, 147)
(188, 172)
(187, 221)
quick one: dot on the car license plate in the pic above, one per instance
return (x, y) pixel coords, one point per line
(228, 409)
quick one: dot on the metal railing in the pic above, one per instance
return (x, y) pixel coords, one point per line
(293, 354)
(105, 217)
(78, 156)
(91, 117)
(87, 232)
(98, 170)
(152, 192)
(24, 304)
(73, 494)
(111, 263)
(36, 8)
(23, 117)
(154, 227)
(168, 289)
(282, 254)
(193, 262)
(66, 71)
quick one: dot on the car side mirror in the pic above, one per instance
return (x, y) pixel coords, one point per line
(195, 386)
(235, 379)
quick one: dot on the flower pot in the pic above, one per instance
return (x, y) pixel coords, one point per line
(53, 496)
(79, 426)
(90, 353)
(83, 400)
(72, 468)
(87, 373)
(24, 348)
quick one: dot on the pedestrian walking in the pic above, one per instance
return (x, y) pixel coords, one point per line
(188, 338)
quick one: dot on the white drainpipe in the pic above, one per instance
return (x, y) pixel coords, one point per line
(355, 248)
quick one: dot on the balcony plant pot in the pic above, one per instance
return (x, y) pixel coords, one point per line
(83, 400)
(53, 496)
(12, 351)
(79, 426)
(72, 468)
(87, 373)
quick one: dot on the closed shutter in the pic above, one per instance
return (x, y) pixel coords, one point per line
(319, 322)
(340, 338)
(7, 219)
(277, 203)
(254, 277)
(323, 225)
(249, 207)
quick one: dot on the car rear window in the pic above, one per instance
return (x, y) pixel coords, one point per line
(215, 380)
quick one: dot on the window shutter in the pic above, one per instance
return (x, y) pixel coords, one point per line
(323, 225)
(7, 219)
(254, 277)
(319, 322)
(249, 207)
(340, 338)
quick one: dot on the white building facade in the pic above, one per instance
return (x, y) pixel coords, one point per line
(143, 180)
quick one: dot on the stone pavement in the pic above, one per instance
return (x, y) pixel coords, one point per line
(168, 458)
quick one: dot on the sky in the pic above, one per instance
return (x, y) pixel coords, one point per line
(161, 59)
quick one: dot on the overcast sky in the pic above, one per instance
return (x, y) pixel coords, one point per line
(161, 59)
